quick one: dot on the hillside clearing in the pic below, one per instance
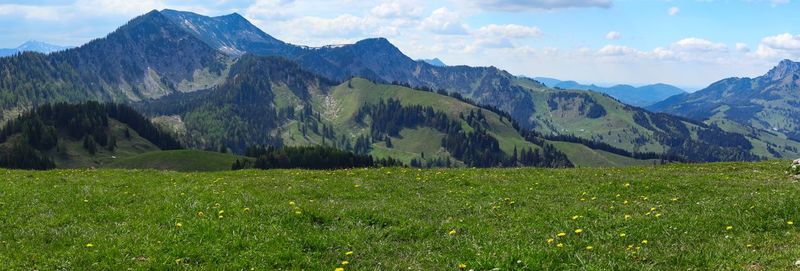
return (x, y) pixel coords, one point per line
(704, 217)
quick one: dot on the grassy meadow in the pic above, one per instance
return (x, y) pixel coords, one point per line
(675, 217)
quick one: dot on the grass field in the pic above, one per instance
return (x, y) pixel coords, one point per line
(674, 217)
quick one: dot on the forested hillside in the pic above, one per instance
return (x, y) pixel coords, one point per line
(73, 134)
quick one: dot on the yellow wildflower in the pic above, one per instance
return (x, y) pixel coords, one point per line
(462, 266)
(622, 234)
(789, 222)
(561, 234)
(550, 240)
(246, 209)
(345, 262)
(291, 203)
(339, 269)
(589, 248)
(348, 253)
(89, 245)
(559, 245)
(644, 242)
(729, 228)
(178, 225)
(452, 232)
(578, 231)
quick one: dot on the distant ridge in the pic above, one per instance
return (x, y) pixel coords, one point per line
(33, 46)
(638, 96)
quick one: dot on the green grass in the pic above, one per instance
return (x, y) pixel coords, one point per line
(399, 219)
(178, 160)
(583, 156)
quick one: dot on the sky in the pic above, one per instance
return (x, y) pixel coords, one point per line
(689, 43)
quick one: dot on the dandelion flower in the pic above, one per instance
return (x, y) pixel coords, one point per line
(452, 232)
(462, 266)
(627, 216)
(644, 242)
(246, 209)
(622, 234)
(339, 269)
(729, 228)
(658, 215)
(559, 245)
(561, 234)
(89, 245)
(221, 212)
(627, 184)
(578, 231)
(674, 199)
(789, 222)
(575, 217)
(589, 248)
(178, 225)
(550, 240)
(178, 260)
(291, 203)
(348, 253)
(345, 262)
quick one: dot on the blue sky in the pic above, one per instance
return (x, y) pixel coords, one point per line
(689, 43)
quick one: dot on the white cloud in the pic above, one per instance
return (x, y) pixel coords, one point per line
(45, 13)
(779, 46)
(511, 31)
(673, 11)
(613, 35)
(697, 44)
(742, 47)
(398, 9)
(445, 21)
(618, 50)
(523, 5)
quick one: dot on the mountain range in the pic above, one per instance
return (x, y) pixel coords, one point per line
(638, 96)
(769, 102)
(33, 46)
(222, 82)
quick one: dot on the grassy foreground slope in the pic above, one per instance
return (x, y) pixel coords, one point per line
(705, 217)
(178, 160)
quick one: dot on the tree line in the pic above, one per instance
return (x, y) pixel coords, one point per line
(308, 157)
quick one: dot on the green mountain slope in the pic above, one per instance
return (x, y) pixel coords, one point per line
(272, 101)
(530, 103)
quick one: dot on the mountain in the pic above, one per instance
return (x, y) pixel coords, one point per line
(637, 96)
(78, 135)
(769, 102)
(435, 62)
(147, 57)
(33, 46)
(206, 78)
(272, 96)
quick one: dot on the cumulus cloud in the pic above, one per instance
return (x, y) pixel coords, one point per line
(673, 11)
(779, 46)
(526, 5)
(445, 21)
(613, 35)
(513, 31)
(398, 9)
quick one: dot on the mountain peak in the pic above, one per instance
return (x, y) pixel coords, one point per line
(784, 69)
